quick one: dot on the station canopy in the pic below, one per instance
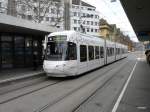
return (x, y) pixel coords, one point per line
(139, 16)
(9, 24)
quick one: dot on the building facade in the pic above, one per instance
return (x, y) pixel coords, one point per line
(19, 40)
(84, 17)
(112, 33)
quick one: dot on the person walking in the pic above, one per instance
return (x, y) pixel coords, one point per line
(147, 52)
(35, 60)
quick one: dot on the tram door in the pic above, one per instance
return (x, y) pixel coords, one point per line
(6, 52)
(83, 59)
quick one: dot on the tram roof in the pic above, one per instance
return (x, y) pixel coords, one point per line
(11, 24)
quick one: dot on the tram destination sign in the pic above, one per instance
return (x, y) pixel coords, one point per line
(57, 38)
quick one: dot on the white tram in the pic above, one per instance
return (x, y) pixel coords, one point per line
(70, 53)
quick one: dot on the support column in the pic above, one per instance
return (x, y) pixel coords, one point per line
(67, 21)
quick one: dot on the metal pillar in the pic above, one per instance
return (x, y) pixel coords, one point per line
(67, 21)
(11, 8)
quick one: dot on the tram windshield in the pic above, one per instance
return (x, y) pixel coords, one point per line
(58, 49)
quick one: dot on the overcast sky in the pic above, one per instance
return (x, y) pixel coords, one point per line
(114, 14)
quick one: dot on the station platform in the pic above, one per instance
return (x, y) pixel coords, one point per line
(16, 74)
(136, 97)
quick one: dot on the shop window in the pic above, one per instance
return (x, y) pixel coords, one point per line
(6, 38)
(19, 51)
(6, 55)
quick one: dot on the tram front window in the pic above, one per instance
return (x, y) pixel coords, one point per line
(60, 50)
(55, 51)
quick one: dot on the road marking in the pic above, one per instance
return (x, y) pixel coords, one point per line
(123, 91)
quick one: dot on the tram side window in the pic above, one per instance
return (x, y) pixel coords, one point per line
(96, 52)
(108, 53)
(72, 51)
(101, 52)
(83, 53)
(91, 52)
(117, 51)
(112, 51)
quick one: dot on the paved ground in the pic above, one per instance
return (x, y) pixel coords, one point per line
(102, 92)
(8, 75)
(136, 97)
(137, 94)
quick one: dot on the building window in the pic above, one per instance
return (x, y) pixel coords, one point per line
(89, 9)
(78, 14)
(91, 52)
(83, 53)
(84, 14)
(95, 23)
(75, 21)
(52, 19)
(41, 10)
(96, 16)
(52, 11)
(0, 4)
(23, 8)
(91, 22)
(88, 22)
(77, 7)
(79, 22)
(47, 9)
(75, 13)
(73, 6)
(83, 22)
(79, 29)
(29, 17)
(75, 28)
(47, 18)
(88, 29)
(91, 30)
(96, 30)
(41, 18)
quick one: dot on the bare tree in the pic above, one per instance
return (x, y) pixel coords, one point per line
(37, 10)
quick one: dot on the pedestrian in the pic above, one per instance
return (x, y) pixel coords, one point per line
(35, 60)
(148, 56)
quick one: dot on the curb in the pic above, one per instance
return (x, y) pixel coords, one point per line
(21, 77)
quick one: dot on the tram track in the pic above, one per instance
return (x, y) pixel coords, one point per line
(51, 104)
(62, 84)
(25, 90)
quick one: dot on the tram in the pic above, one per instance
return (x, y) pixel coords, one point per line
(70, 53)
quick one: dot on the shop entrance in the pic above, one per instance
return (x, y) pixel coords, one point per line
(17, 51)
(6, 52)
